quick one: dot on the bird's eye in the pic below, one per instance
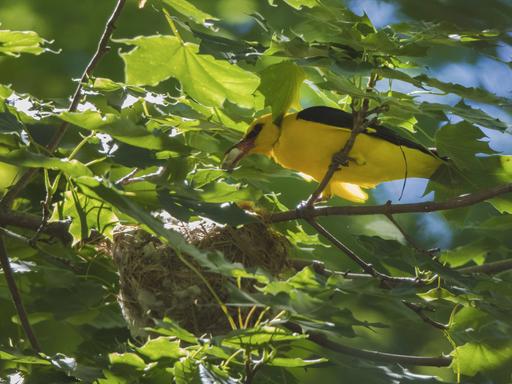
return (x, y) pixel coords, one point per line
(254, 132)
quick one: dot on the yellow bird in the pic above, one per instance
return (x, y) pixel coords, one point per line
(306, 142)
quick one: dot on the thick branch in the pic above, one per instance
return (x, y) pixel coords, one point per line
(323, 341)
(57, 229)
(16, 297)
(101, 50)
(390, 209)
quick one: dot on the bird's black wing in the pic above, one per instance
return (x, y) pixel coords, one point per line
(338, 118)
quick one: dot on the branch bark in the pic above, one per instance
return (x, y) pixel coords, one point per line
(320, 269)
(390, 209)
(488, 268)
(58, 229)
(368, 268)
(322, 340)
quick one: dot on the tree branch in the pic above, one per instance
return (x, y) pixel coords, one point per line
(101, 50)
(389, 209)
(386, 280)
(368, 268)
(319, 268)
(16, 297)
(419, 310)
(359, 124)
(28, 176)
(58, 229)
(489, 268)
(322, 340)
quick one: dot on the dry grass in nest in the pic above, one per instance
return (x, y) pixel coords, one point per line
(155, 283)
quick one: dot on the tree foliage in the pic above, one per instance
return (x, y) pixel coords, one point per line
(144, 142)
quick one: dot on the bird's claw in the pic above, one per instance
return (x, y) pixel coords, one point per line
(342, 161)
(304, 208)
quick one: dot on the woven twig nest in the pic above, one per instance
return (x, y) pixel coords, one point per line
(155, 283)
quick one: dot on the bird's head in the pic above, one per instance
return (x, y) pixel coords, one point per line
(261, 136)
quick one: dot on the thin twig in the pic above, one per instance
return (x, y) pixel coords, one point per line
(127, 177)
(16, 297)
(387, 209)
(101, 50)
(342, 157)
(249, 373)
(368, 268)
(430, 253)
(319, 268)
(27, 177)
(419, 310)
(322, 340)
(405, 235)
(387, 281)
(154, 176)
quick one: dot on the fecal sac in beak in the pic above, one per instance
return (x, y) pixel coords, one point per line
(234, 154)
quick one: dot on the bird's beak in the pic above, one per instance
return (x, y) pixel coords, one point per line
(234, 154)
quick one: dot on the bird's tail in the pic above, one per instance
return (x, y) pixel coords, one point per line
(347, 191)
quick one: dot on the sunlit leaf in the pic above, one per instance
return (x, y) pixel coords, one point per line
(13, 43)
(130, 359)
(295, 362)
(21, 359)
(207, 80)
(161, 347)
(472, 358)
(188, 9)
(124, 130)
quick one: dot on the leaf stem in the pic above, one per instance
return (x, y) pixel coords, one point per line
(171, 23)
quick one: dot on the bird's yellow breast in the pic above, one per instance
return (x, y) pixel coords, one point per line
(308, 147)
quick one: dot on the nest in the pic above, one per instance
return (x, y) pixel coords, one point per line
(155, 283)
